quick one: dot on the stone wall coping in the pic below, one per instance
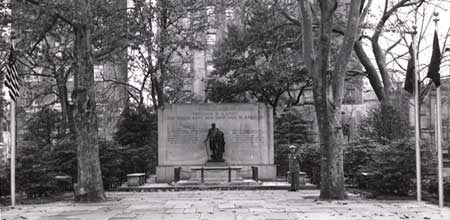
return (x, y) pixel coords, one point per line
(135, 174)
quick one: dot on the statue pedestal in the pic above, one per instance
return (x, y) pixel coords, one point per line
(216, 174)
(215, 163)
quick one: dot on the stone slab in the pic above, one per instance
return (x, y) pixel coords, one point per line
(196, 205)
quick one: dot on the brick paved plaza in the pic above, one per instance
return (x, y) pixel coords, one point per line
(227, 205)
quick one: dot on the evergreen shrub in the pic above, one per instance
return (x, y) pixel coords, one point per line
(291, 128)
(383, 159)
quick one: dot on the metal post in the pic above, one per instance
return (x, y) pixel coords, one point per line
(229, 174)
(202, 175)
(177, 174)
(13, 153)
(439, 131)
(253, 173)
(416, 117)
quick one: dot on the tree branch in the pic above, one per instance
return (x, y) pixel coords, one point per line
(394, 45)
(371, 71)
(43, 35)
(345, 52)
(50, 11)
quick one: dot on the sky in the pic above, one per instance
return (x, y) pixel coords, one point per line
(426, 25)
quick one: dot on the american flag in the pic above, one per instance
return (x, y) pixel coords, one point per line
(12, 77)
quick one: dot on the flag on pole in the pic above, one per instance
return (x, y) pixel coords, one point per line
(409, 80)
(435, 62)
(12, 77)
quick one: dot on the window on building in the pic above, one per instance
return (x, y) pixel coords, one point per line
(187, 67)
(210, 14)
(308, 96)
(211, 38)
(187, 85)
(186, 20)
(350, 96)
(229, 14)
(98, 72)
(209, 69)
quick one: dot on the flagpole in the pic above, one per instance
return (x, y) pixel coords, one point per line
(439, 131)
(13, 153)
(13, 140)
(416, 117)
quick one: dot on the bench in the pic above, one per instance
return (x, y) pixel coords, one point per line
(135, 179)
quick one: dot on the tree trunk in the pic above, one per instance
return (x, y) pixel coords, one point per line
(328, 116)
(66, 107)
(89, 187)
(162, 53)
(328, 94)
(331, 150)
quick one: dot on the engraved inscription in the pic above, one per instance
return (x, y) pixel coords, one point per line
(184, 128)
(183, 137)
(246, 136)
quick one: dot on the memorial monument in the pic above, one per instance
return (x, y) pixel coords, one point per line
(198, 135)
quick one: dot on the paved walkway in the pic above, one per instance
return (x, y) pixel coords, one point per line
(227, 205)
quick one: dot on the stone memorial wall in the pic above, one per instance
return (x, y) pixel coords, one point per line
(248, 132)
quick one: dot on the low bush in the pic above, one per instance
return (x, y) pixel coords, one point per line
(383, 159)
(112, 163)
(34, 173)
(387, 122)
(385, 169)
(357, 156)
(431, 186)
(310, 161)
(5, 179)
(393, 167)
(289, 129)
(137, 134)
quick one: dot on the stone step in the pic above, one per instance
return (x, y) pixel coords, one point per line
(227, 184)
(214, 187)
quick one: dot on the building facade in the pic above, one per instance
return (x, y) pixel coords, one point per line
(428, 126)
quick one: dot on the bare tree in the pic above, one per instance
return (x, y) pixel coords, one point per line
(328, 87)
(377, 72)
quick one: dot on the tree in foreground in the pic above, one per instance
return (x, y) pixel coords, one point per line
(78, 15)
(89, 186)
(328, 87)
